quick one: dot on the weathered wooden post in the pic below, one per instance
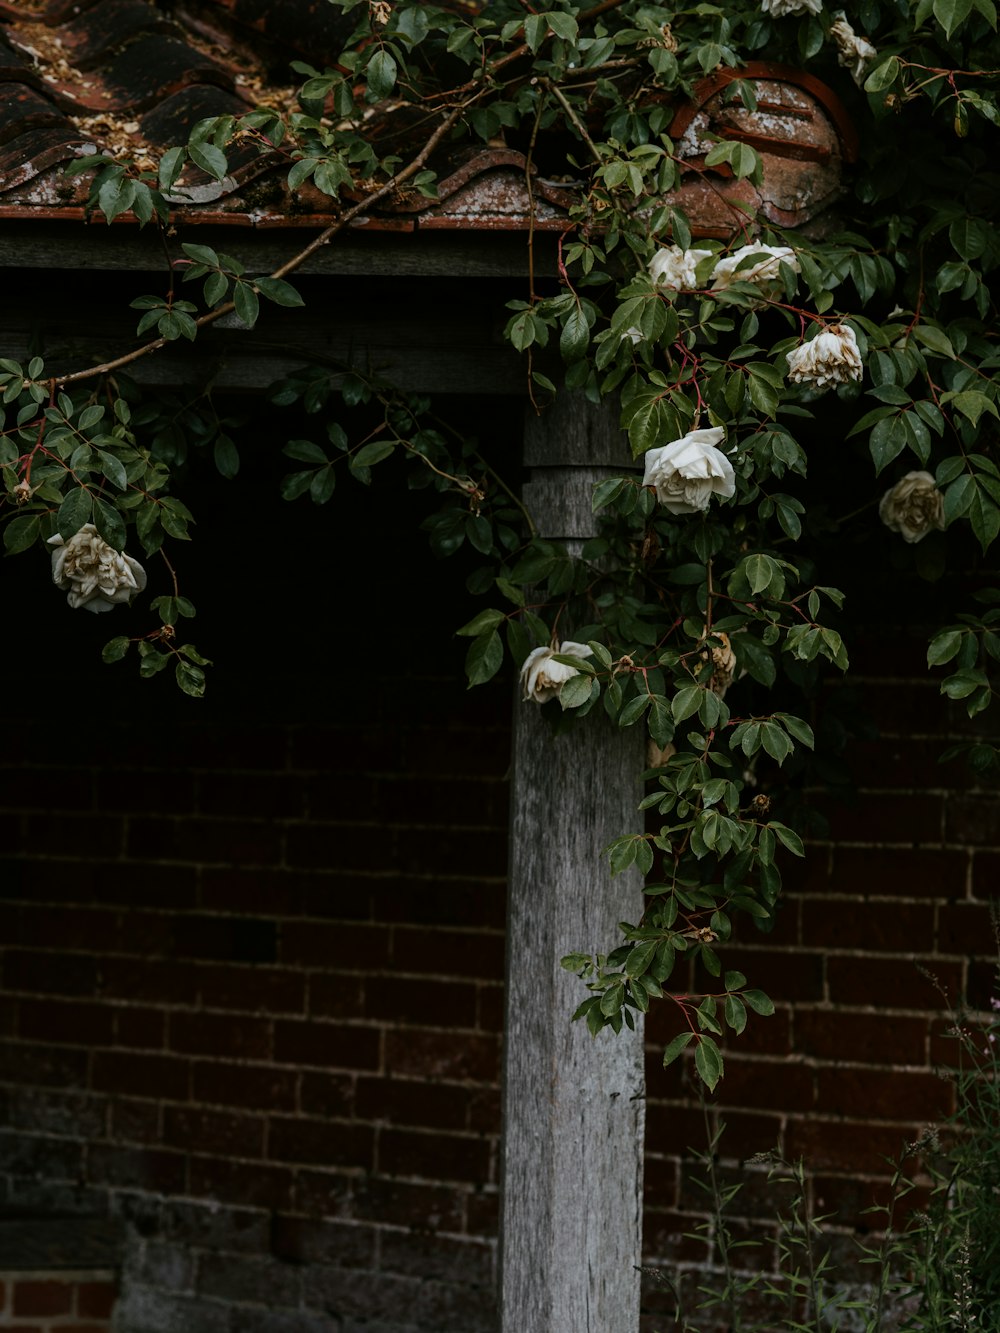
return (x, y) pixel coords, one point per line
(574, 1108)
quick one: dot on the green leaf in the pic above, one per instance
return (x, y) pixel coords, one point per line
(674, 1049)
(109, 523)
(708, 1062)
(226, 455)
(113, 469)
(381, 73)
(74, 512)
(736, 1014)
(210, 159)
(480, 624)
(115, 649)
(374, 452)
(575, 336)
(944, 647)
(305, 452)
(190, 678)
(484, 658)
(246, 303)
(278, 291)
(758, 1002)
(21, 532)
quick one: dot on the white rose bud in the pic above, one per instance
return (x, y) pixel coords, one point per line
(779, 8)
(542, 678)
(674, 268)
(853, 52)
(766, 274)
(832, 357)
(688, 472)
(912, 507)
(93, 573)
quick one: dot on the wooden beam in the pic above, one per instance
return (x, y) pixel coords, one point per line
(574, 1107)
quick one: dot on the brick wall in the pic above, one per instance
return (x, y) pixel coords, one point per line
(64, 1302)
(252, 948)
(889, 908)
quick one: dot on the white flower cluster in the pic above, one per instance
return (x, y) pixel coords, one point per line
(765, 273)
(687, 472)
(832, 357)
(92, 573)
(674, 268)
(542, 678)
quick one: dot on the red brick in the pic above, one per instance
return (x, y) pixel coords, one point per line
(326, 1045)
(259, 1087)
(966, 929)
(46, 1065)
(490, 1015)
(73, 1023)
(320, 1142)
(341, 995)
(866, 925)
(134, 791)
(224, 939)
(443, 1055)
(147, 979)
(353, 948)
(766, 1085)
(433, 1156)
(783, 974)
(860, 980)
(973, 821)
(879, 1094)
(326, 1095)
(141, 1075)
(350, 750)
(148, 1169)
(75, 928)
(452, 851)
(85, 837)
(419, 1003)
(339, 846)
(135, 1121)
(445, 953)
(49, 973)
(847, 1146)
(250, 988)
(832, 1034)
(213, 1132)
(902, 871)
(463, 904)
(334, 797)
(247, 795)
(51, 1297)
(204, 841)
(250, 1185)
(95, 1300)
(407, 1102)
(142, 1029)
(912, 820)
(225, 1035)
(254, 892)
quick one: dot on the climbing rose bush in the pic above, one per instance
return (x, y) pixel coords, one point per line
(686, 473)
(913, 507)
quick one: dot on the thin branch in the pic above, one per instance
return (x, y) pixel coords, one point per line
(296, 261)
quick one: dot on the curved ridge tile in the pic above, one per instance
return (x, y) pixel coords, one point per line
(89, 38)
(32, 154)
(23, 109)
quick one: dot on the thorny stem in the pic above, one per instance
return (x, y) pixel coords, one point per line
(578, 124)
(173, 572)
(296, 261)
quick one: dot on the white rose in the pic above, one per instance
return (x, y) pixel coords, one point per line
(674, 268)
(853, 52)
(912, 507)
(689, 471)
(93, 573)
(832, 357)
(766, 274)
(779, 8)
(542, 678)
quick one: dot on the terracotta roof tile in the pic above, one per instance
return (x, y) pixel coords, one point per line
(131, 77)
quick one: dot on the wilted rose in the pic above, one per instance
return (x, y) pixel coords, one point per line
(832, 357)
(93, 573)
(720, 650)
(765, 273)
(688, 472)
(913, 507)
(542, 678)
(674, 268)
(779, 8)
(853, 52)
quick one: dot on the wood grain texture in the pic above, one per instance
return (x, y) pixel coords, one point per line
(573, 1105)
